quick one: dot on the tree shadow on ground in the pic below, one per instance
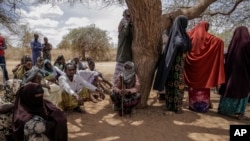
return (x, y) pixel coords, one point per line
(101, 123)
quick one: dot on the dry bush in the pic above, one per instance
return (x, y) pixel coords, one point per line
(68, 54)
(17, 53)
(112, 54)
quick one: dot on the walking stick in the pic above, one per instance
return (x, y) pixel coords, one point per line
(122, 96)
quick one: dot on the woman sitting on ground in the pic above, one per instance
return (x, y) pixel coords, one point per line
(52, 71)
(39, 63)
(30, 102)
(60, 62)
(25, 66)
(126, 88)
(52, 91)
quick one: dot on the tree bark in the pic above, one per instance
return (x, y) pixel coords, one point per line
(148, 23)
(191, 12)
(146, 19)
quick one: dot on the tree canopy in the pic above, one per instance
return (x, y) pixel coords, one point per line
(9, 14)
(91, 40)
(222, 14)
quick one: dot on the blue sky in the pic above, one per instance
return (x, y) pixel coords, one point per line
(55, 21)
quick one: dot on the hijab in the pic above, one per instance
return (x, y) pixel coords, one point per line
(31, 74)
(58, 62)
(178, 31)
(29, 104)
(198, 34)
(128, 74)
(237, 65)
(29, 100)
(23, 68)
(240, 39)
(204, 64)
(46, 68)
(125, 19)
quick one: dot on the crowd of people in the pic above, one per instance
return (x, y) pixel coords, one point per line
(194, 59)
(45, 91)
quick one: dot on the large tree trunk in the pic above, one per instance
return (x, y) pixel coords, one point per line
(146, 18)
(148, 23)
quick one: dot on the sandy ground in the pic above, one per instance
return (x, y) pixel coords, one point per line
(153, 123)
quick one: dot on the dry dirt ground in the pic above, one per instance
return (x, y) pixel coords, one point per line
(101, 123)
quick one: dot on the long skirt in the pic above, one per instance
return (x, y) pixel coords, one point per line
(69, 102)
(199, 99)
(175, 85)
(230, 106)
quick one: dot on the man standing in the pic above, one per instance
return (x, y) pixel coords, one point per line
(46, 49)
(36, 48)
(2, 58)
(124, 50)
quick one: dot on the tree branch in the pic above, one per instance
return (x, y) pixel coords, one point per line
(229, 12)
(191, 13)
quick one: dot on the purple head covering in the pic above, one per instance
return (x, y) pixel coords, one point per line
(237, 65)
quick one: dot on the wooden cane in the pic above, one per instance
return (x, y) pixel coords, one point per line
(122, 96)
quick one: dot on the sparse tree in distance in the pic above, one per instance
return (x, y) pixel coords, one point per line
(89, 40)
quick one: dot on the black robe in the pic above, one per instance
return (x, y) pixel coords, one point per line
(178, 41)
(28, 105)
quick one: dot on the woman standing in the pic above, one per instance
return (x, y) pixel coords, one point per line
(171, 66)
(234, 93)
(204, 66)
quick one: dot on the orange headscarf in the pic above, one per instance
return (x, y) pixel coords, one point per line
(204, 65)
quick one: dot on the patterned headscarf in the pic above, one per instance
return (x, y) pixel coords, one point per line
(128, 73)
(30, 75)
